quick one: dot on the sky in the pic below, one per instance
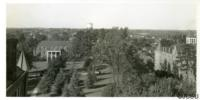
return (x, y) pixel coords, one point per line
(134, 15)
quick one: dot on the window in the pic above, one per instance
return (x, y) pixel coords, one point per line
(53, 53)
(57, 53)
(18, 92)
(194, 40)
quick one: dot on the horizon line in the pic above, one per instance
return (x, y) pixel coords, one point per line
(92, 28)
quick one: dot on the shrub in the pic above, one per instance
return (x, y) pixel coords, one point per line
(72, 88)
(47, 80)
(90, 80)
(109, 90)
(56, 88)
(50, 76)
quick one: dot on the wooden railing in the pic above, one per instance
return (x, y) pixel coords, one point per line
(20, 84)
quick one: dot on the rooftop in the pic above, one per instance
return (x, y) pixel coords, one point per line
(191, 35)
(167, 43)
(53, 43)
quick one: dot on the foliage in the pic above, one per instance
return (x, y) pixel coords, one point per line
(28, 44)
(159, 83)
(109, 90)
(91, 76)
(138, 78)
(83, 42)
(187, 89)
(187, 57)
(150, 66)
(49, 77)
(112, 52)
(56, 88)
(166, 42)
(87, 64)
(135, 84)
(72, 88)
(132, 77)
(63, 36)
(150, 85)
(164, 87)
(47, 80)
(90, 80)
(65, 91)
(133, 56)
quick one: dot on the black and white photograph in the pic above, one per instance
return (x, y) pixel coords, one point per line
(144, 48)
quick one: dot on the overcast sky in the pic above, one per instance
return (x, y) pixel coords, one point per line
(139, 15)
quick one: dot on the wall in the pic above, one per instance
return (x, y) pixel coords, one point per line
(161, 57)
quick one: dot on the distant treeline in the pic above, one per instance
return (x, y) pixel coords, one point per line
(71, 30)
(163, 32)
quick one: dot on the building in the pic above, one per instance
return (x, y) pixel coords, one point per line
(16, 74)
(165, 55)
(191, 39)
(170, 58)
(51, 49)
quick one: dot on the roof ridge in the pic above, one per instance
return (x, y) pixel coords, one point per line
(52, 43)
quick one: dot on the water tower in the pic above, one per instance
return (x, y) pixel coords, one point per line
(90, 26)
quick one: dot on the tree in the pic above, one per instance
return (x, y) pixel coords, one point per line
(150, 65)
(109, 90)
(83, 42)
(49, 77)
(187, 57)
(164, 87)
(56, 88)
(89, 82)
(72, 88)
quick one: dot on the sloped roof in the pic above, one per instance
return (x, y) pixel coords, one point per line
(191, 35)
(167, 43)
(52, 43)
(22, 63)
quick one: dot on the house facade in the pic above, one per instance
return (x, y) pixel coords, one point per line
(191, 39)
(165, 55)
(167, 58)
(51, 49)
